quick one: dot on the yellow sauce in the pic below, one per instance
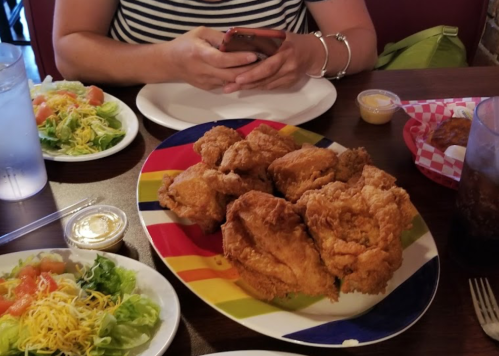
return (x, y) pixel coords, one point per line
(96, 228)
(377, 108)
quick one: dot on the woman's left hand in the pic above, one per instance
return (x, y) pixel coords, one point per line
(281, 70)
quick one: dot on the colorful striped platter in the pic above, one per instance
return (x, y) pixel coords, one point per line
(198, 261)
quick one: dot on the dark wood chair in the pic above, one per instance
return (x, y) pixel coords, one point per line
(40, 17)
(397, 19)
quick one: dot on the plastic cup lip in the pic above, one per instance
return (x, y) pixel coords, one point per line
(112, 240)
(395, 100)
(16, 58)
(476, 115)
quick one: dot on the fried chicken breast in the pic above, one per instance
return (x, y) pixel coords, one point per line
(212, 146)
(310, 167)
(267, 242)
(357, 228)
(190, 196)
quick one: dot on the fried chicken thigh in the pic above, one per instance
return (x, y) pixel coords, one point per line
(357, 228)
(268, 244)
(350, 163)
(310, 167)
(189, 196)
(212, 146)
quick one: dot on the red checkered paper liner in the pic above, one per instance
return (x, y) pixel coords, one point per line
(430, 113)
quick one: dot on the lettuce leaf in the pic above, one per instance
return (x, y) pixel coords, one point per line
(105, 277)
(131, 325)
(9, 335)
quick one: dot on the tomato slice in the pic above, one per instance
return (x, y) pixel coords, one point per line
(95, 96)
(66, 92)
(20, 305)
(27, 286)
(48, 265)
(29, 270)
(51, 284)
(39, 99)
(5, 304)
(43, 112)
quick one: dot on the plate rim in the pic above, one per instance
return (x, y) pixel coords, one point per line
(276, 336)
(132, 129)
(172, 301)
(142, 103)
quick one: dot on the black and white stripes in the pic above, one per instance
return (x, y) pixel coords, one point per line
(152, 21)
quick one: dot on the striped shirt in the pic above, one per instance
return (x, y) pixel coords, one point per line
(152, 21)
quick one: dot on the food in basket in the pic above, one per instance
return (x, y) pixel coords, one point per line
(333, 223)
(96, 310)
(451, 132)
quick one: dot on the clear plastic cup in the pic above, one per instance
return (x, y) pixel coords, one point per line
(478, 195)
(22, 168)
(377, 106)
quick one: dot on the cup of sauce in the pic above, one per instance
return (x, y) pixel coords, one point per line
(100, 227)
(377, 106)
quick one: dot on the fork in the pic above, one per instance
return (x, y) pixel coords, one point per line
(486, 307)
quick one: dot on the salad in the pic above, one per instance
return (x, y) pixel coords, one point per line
(45, 310)
(73, 119)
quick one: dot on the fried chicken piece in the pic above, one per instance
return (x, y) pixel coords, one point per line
(214, 143)
(270, 143)
(237, 184)
(310, 167)
(267, 242)
(357, 228)
(189, 196)
(242, 157)
(350, 163)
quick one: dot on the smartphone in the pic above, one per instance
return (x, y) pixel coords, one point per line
(262, 41)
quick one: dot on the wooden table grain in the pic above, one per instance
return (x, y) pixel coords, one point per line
(449, 327)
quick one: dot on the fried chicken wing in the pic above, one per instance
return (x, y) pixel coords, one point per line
(310, 167)
(357, 228)
(350, 163)
(212, 146)
(268, 244)
(190, 196)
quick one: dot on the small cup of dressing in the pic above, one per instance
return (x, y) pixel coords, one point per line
(99, 227)
(377, 106)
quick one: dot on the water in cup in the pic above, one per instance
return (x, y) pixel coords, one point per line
(22, 169)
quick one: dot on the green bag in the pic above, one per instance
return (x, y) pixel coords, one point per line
(435, 47)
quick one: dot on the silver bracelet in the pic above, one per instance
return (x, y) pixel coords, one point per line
(318, 34)
(342, 38)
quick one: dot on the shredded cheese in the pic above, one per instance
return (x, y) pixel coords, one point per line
(63, 320)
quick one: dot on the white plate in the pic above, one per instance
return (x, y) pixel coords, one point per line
(129, 123)
(149, 282)
(252, 353)
(180, 105)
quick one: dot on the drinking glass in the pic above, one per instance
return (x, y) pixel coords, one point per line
(22, 169)
(478, 195)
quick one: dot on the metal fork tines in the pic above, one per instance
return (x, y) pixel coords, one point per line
(486, 307)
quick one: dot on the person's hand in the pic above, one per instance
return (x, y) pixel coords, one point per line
(282, 70)
(197, 61)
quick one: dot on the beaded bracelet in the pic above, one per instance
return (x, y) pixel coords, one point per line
(340, 37)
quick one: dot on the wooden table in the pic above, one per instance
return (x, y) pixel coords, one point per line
(449, 327)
